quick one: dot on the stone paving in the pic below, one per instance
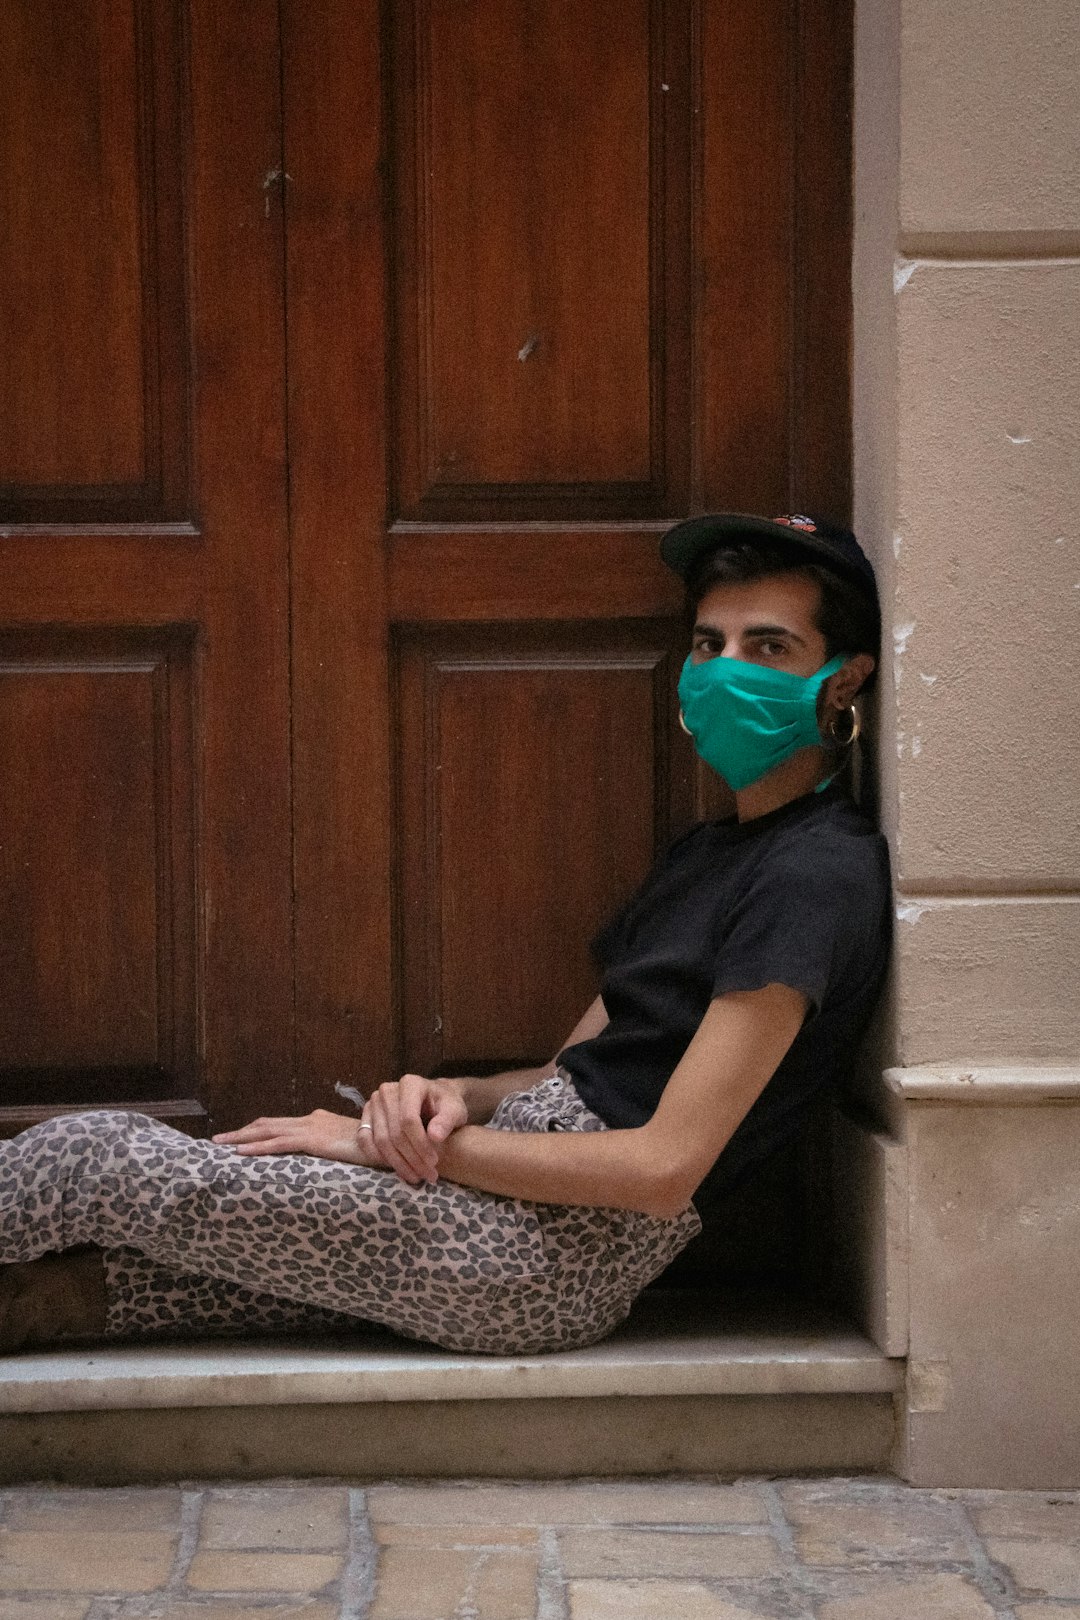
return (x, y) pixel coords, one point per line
(855, 1549)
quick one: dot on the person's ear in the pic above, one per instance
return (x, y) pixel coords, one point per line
(848, 681)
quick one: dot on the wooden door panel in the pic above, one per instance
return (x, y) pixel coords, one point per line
(97, 869)
(93, 318)
(534, 788)
(143, 562)
(539, 247)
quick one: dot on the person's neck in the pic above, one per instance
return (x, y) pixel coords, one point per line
(792, 779)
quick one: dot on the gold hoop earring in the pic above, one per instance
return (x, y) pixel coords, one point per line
(682, 722)
(853, 734)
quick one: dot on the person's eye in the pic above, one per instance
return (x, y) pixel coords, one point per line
(708, 646)
(773, 649)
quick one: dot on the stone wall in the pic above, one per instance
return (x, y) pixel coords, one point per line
(967, 474)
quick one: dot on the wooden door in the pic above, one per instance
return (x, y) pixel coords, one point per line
(556, 276)
(145, 880)
(517, 284)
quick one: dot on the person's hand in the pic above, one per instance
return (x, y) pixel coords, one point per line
(410, 1119)
(321, 1134)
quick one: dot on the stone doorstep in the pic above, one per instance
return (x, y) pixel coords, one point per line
(673, 1345)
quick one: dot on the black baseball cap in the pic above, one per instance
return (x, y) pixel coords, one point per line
(809, 539)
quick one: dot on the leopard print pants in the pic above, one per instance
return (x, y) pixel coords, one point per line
(200, 1240)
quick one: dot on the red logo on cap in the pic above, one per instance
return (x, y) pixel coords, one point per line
(795, 520)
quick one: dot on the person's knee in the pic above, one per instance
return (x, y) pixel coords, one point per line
(83, 1136)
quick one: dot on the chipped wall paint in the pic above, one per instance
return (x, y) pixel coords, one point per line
(903, 270)
(929, 1385)
(909, 911)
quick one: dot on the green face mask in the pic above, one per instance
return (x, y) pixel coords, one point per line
(746, 719)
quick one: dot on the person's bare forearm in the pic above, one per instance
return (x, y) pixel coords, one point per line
(602, 1169)
(655, 1167)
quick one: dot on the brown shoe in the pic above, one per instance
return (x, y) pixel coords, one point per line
(59, 1299)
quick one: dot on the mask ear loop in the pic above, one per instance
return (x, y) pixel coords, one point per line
(682, 722)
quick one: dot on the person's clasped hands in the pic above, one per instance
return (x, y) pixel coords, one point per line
(409, 1120)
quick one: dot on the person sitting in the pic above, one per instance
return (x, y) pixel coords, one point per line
(524, 1212)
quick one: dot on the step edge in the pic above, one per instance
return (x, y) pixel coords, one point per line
(254, 1387)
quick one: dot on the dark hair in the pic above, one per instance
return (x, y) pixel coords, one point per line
(846, 618)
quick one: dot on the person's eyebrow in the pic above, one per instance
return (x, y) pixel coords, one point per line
(702, 628)
(774, 630)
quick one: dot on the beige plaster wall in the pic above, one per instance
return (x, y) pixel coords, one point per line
(967, 433)
(977, 979)
(990, 135)
(967, 480)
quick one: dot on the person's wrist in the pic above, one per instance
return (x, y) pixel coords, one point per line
(450, 1153)
(364, 1141)
(458, 1086)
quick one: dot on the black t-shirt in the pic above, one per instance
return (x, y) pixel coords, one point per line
(800, 897)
